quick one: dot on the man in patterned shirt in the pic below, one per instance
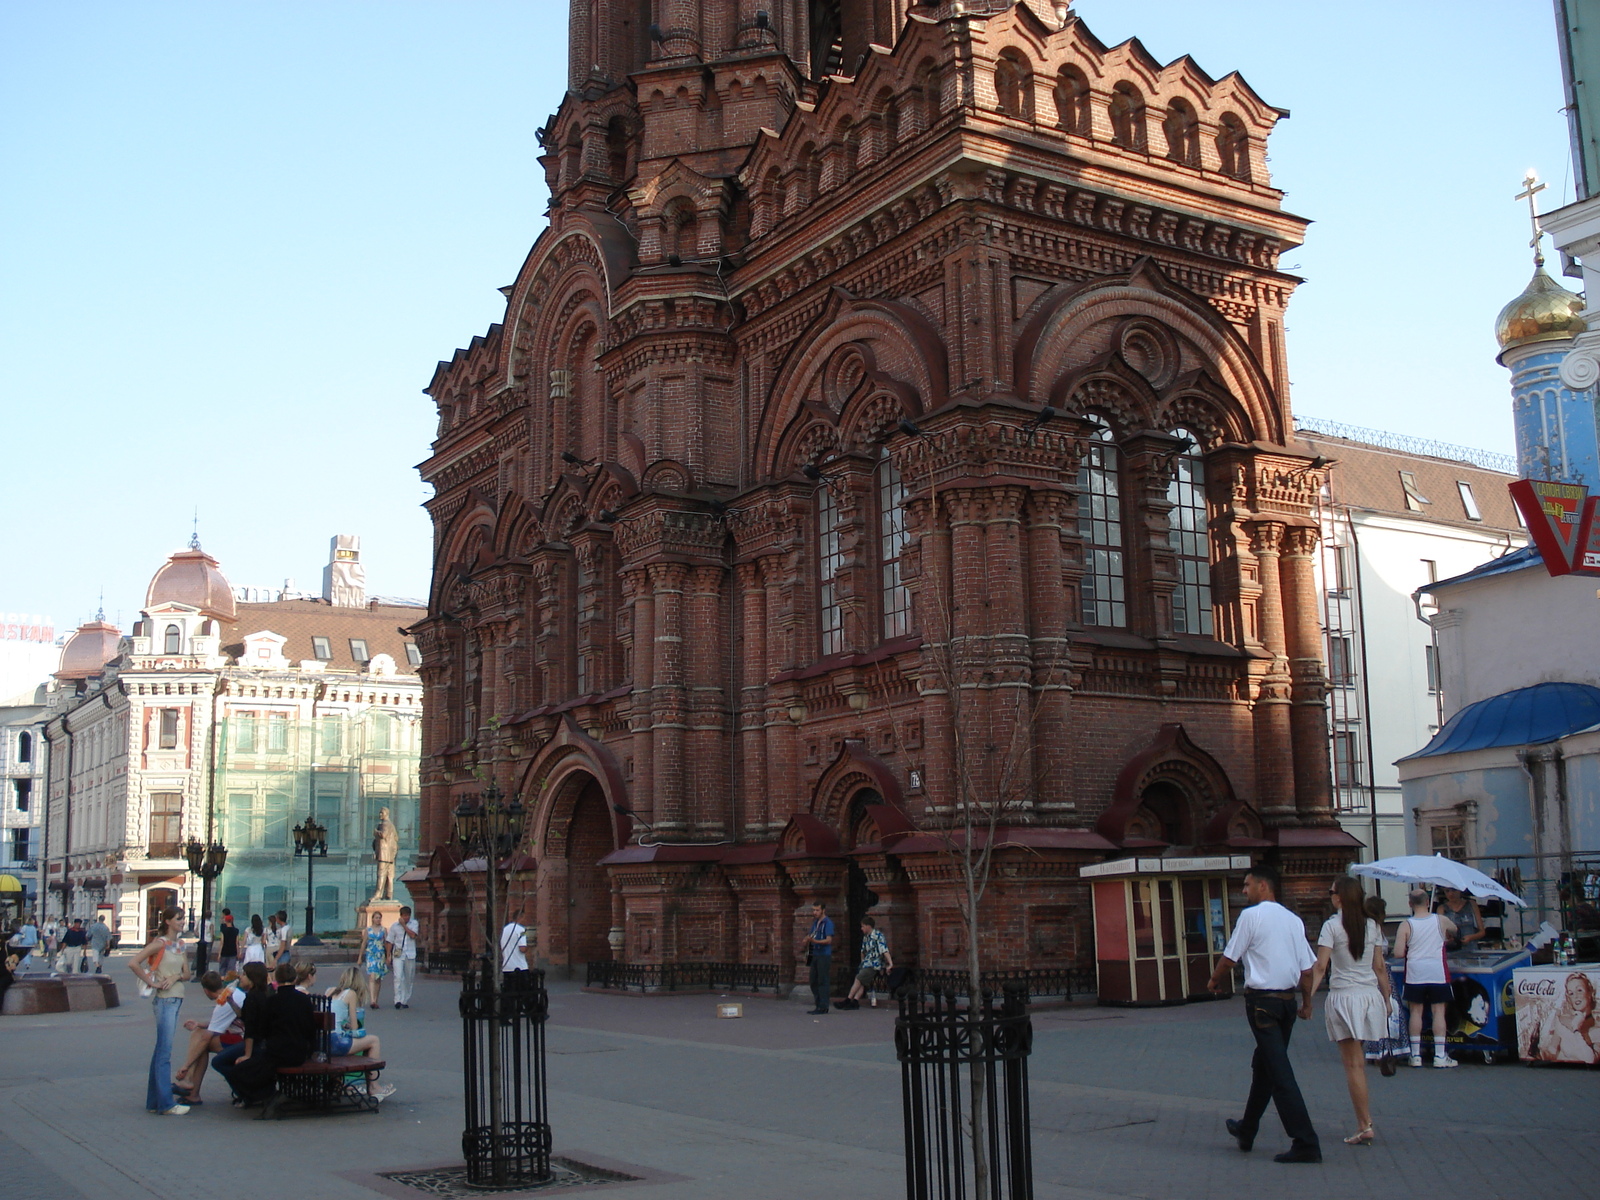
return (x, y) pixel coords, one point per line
(875, 958)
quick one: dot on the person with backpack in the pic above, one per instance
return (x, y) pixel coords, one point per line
(162, 967)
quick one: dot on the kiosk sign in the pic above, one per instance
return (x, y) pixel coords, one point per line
(1561, 520)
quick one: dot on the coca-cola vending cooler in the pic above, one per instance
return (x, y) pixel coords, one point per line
(1558, 1019)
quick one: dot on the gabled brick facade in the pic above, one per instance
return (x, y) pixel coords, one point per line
(845, 344)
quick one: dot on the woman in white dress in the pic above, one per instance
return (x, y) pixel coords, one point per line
(255, 949)
(1350, 953)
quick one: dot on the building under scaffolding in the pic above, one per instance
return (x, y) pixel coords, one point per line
(341, 768)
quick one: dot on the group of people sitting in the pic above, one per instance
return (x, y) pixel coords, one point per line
(259, 1022)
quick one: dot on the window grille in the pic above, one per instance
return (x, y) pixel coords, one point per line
(1190, 538)
(830, 560)
(1100, 526)
(891, 545)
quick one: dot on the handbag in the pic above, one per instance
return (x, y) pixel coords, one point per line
(146, 989)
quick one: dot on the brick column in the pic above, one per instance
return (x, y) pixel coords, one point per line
(1049, 513)
(1274, 744)
(751, 790)
(1309, 714)
(707, 751)
(668, 711)
(641, 717)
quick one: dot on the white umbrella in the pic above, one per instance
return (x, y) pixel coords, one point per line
(1438, 870)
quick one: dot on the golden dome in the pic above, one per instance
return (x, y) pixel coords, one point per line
(89, 649)
(191, 577)
(1545, 312)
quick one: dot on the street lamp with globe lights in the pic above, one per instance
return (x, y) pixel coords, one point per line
(310, 840)
(205, 860)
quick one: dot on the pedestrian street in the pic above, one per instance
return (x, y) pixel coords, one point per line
(778, 1104)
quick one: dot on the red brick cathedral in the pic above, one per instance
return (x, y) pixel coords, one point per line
(893, 417)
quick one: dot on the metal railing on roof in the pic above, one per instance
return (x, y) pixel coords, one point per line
(1489, 460)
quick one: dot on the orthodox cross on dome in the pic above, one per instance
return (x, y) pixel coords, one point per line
(1531, 187)
(194, 537)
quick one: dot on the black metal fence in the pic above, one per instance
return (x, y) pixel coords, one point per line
(445, 962)
(955, 1060)
(1065, 982)
(683, 977)
(507, 1136)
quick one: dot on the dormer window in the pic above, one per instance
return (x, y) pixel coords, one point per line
(1469, 502)
(413, 654)
(358, 650)
(174, 640)
(321, 649)
(1414, 497)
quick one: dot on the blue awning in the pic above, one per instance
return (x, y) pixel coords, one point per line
(1525, 717)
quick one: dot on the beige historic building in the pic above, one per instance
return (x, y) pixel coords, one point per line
(230, 721)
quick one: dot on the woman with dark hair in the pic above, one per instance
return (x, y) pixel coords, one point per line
(162, 967)
(290, 1024)
(255, 949)
(1357, 1010)
(252, 1015)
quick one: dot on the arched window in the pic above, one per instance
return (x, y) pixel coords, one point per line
(889, 106)
(24, 747)
(891, 545)
(617, 149)
(174, 641)
(1013, 85)
(1127, 117)
(1072, 102)
(830, 561)
(1182, 128)
(1100, 526)
(1233, 147)
(678, 229)
(1191, 542)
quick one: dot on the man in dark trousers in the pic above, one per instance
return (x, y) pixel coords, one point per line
(1271, 943)
(820, 944)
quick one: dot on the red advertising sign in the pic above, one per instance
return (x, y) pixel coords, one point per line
(1560, 518)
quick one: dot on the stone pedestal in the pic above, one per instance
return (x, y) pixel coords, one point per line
(388, 909)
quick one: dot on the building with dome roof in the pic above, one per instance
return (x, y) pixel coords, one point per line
(229, 719)
(1555, 425)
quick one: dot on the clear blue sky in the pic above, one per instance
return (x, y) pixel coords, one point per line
(238, 235)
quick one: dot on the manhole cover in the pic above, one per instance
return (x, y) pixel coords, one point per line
(452, 1181)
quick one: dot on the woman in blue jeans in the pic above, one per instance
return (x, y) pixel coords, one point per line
(162, 966)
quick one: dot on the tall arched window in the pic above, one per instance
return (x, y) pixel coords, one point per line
(24, 747)
(174, 641)
(1127, 117)
(1191, 542)
(1013, 85)
(1182, 128)
(891, 545)
(1100, 526)
(1233, 147)
(830, 560)
(1072, 101)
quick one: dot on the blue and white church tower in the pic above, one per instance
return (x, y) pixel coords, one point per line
(1557, 436)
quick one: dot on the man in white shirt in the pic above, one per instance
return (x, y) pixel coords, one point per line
(1271, 943)
(402, 939)
(512, 936)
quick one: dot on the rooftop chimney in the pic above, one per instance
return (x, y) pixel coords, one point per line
(344, 581)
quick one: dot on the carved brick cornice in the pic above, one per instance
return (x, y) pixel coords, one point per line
(772, 520)
(1266, 537)
(651, 533)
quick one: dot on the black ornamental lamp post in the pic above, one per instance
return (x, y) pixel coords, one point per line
(507, 1137)
(310, 840)
(205, 860)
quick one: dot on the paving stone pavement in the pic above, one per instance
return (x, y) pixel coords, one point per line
(1126, 1103)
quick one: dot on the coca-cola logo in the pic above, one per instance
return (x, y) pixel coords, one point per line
(1536, 987)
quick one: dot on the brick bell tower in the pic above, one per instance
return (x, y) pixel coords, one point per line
(893, 412)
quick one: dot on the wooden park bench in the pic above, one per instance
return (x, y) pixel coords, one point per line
(325, 1083)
